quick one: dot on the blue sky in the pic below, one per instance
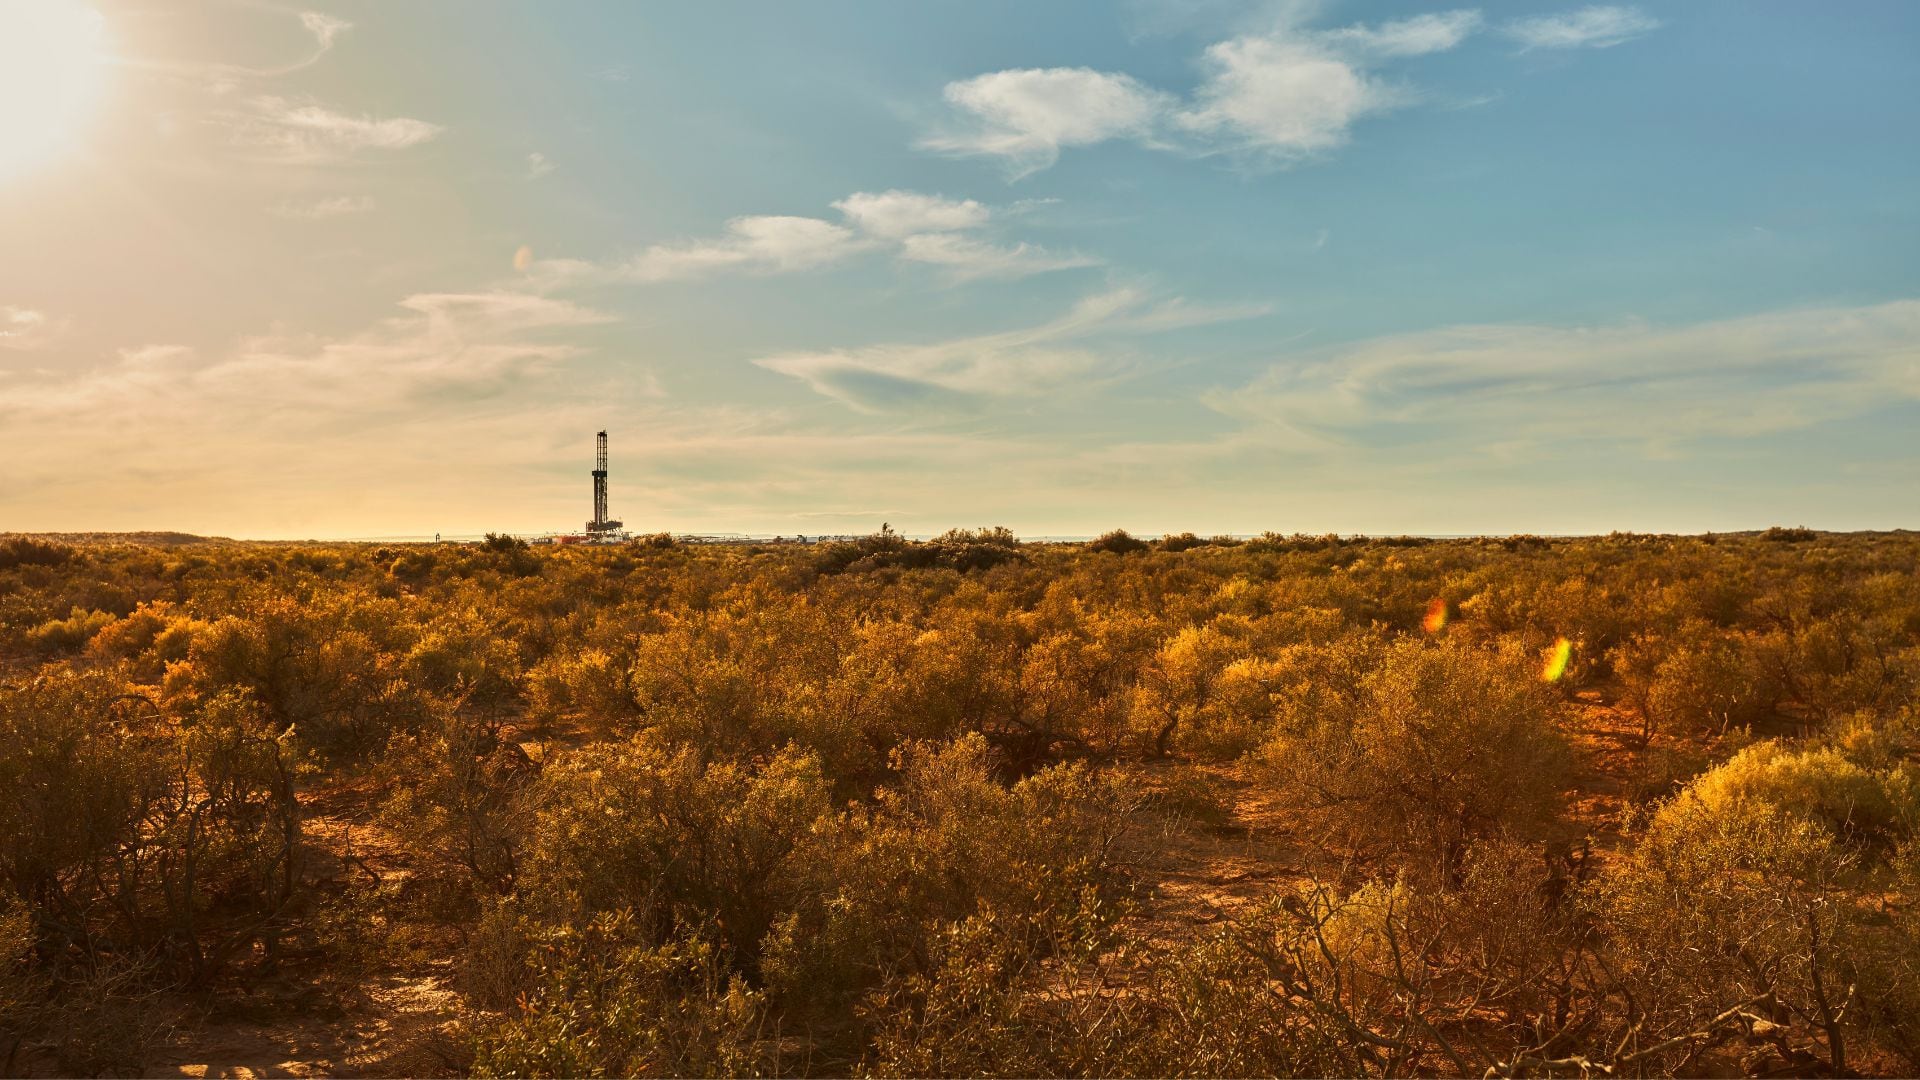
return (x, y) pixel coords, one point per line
(373, 269)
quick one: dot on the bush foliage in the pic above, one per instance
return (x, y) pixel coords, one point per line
(1624, 805)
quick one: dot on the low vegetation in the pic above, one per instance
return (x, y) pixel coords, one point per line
(1626, 805)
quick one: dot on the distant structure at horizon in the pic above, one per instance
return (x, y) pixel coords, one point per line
(601, 524)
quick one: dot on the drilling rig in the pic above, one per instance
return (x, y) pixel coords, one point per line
(600, 526)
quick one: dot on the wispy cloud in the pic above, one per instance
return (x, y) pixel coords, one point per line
(967, 258)
(755, 244)
(1017, 363)
(325, 30)
(455, 384)
(894, 214)
(1297, 93)
(1598, 27)
(444, 353)
(915, 227)
(1284, 98)
(25, 328)
(1027, 116)
(463, 345)
(1287, 94)
(1284, 95)
(309, 132)
(331, 206)
(1433, 32)
(538, 165)
(1481, 385)
(151, 356)
(324, 27)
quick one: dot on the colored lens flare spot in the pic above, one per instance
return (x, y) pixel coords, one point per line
(1556, 663)
(1436, 618)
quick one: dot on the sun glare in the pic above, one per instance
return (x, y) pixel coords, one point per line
(52, 71)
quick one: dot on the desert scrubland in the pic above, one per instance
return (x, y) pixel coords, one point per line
(1627, 805)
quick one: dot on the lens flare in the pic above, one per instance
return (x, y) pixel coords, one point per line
(1436, 616)
(1557, 657)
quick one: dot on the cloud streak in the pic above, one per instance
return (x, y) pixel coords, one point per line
(1471, 386)
(895, 214)
(914, 227)
(1601, 26)
(755, 244)
(332, 206)
(1030, 362)
(307, 132)
(444, 347)
(967, 258)
(24, 328)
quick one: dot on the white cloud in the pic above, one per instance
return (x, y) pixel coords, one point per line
(895, 213)
(445, 349)
(1478, 385)
(332, 206)
(1027, 116)
(24, 328)
(309, 132)
(1284, 97)
(914, 227)
(150, 356)
(1018, 363)
(758, 244)
(1599, 27)
(445, 409)
(324, 27)
(538, 165)
(1422, 34)
(1289, 94)
(968, 258)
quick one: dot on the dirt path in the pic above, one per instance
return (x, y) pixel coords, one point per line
(398, 1027)
(397, 1018)
(1608, 757)
(1201, 873)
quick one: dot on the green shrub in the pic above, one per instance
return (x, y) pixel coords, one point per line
(1731, 903)
(26, 551)
(1445, 745)
(947, 842)
(965, 550)
(69, 634)
(1117, 542)
(1880, 807)
(1185, 541)
(652, 827)
(606, 1000)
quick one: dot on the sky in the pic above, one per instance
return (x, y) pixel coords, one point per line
(374, 269)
